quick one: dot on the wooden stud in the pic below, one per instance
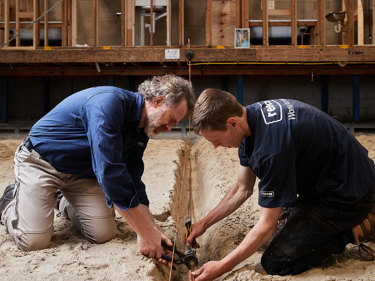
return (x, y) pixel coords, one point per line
(36, 30)
(265, 22)
(246, 15)
(208, 23)
(360, 23)
(238, 13)
(95, 21)
(74, 22)
(6, 21)
(321, 21)
(181, 23)
(130, 16)
(45, 23)
(169, 25)
(151, 22)
(18, 22)
(293, 19)
(123, 28)
(350, 9)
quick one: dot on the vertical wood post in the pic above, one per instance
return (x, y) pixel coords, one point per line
(293, 19)
(123, 28)
(169, 25)
(151, 22)
(208, 23)
(45, 23)
(181, 31)
(265, 22)
(74, 22)
(350, 14)
(36, 30)
(95, 21)
(321, 20)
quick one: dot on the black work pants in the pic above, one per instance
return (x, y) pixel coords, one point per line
(313, 232)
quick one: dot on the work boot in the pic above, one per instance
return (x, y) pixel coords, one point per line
(365, 232)
(7, 197)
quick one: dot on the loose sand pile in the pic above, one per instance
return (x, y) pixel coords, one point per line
(70, 257)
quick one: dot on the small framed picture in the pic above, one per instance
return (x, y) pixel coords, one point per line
(242, 37)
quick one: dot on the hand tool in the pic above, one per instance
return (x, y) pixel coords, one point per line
(188, 258)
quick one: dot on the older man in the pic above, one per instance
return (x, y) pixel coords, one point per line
(90, 148)
(304, 159)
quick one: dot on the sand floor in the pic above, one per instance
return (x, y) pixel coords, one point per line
(70, 257)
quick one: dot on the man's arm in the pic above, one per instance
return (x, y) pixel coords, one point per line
(238, 193)
(149, 236)
(261, 232)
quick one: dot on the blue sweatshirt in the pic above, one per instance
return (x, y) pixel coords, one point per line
(94, 133)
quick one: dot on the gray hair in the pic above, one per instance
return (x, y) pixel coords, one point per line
(172, 87)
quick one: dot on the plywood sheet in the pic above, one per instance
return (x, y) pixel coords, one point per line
(223, 22)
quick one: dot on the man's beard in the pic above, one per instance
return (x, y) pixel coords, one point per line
(153, 123)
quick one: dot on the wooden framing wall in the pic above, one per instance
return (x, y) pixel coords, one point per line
(221, 19)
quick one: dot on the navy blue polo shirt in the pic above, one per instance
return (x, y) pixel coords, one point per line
(94, 133)
(298, 151)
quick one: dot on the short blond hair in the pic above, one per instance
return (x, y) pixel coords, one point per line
(212, 110)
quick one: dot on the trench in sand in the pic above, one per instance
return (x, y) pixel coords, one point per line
(210, 178)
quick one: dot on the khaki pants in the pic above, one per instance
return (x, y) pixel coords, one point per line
(29, 217)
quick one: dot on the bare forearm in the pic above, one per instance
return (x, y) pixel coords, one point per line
(231, 201)
(252, 242)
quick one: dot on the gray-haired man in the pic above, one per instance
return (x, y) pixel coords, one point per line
(90, 147)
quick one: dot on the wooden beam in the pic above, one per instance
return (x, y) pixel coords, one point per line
(350, 9)
(95, 21)
(157, 54)
(45, 23)
(360, 23)
(151, 22)
(209, 23)
(238, 13)
(18, 22)
(181, 25)
(169, 24)
(265, 22)
(130, 20)
(245, 14)
(36, 29)
(293, 18)
(321, 23)
(123, 27)
(278, 12)
(74, 22)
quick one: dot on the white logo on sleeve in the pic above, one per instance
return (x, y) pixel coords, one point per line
(271, 111)
(268, 194)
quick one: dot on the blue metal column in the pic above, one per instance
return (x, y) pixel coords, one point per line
(355, 98)
(240, 89)
(4, 100)
(324, 86)
(46, 94)
(111, 80)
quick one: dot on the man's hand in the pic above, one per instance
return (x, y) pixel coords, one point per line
(197, 230)
(149, 236)
(209, 271)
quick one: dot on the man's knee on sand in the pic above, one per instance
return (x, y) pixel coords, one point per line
(282, 265)
(33, 242)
